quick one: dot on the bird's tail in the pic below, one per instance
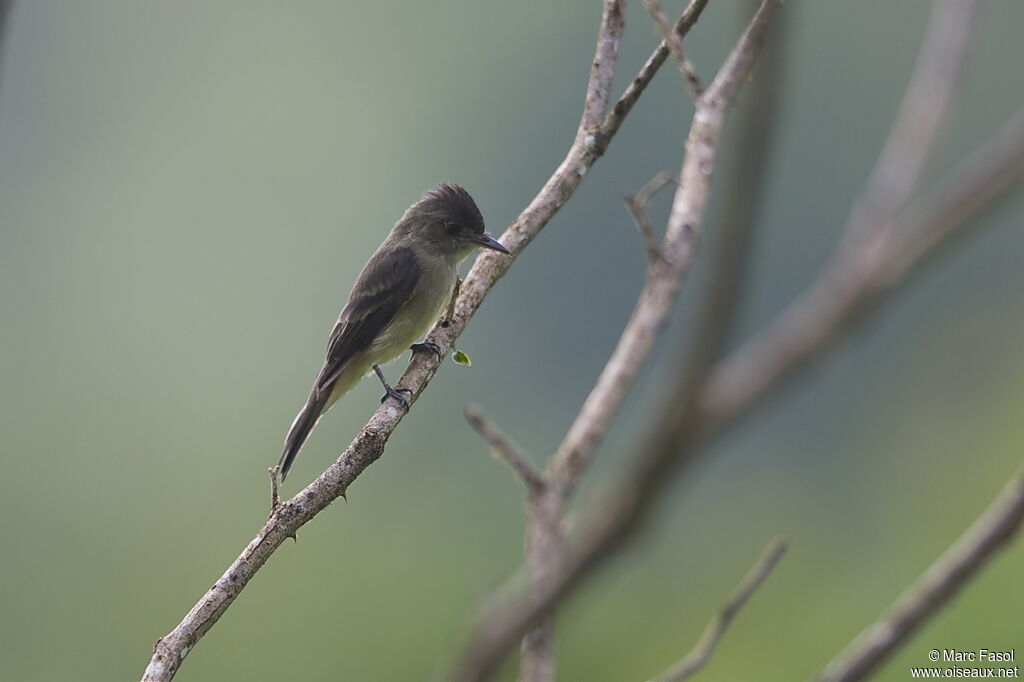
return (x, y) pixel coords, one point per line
(301, 427)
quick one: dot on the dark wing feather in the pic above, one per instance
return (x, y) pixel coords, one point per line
(384, 286)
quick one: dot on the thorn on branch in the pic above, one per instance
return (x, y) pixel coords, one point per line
(637, 203)
(505, 449)
(675, 46)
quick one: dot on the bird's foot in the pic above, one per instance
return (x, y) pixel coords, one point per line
(396, 393)
(428, 346)
(390, 391)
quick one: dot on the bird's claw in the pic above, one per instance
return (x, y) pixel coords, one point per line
(428, 346)
(396, 393)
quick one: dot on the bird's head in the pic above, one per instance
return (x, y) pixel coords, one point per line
(447, 221)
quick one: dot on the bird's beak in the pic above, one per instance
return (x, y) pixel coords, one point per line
(488, 242)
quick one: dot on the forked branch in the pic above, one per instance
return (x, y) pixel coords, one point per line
(528, 598)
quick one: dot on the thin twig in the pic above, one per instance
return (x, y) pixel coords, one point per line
(986, 537)
(505, 449)
(675, 46)
(639, 83)
(701, 652)
(275, 498)
(637, 203)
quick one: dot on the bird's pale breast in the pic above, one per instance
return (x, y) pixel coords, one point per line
(429, 300)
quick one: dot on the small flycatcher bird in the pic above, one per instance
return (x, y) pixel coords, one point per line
(400, 293)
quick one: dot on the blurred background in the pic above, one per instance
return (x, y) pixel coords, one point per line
(187, 192)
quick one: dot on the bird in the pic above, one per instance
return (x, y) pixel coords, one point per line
(402, 290)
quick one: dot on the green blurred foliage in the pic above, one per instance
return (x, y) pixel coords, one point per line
(187, 191)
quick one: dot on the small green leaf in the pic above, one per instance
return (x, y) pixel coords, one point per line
(460, 358)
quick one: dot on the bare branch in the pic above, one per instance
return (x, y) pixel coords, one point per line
(537, 660)
(857, 274)
(740, 61)
(544, 540)
(538, 647)
(637, 203)
(698, 657)
(505, 449)
(987, 536)
(516, 608)
(519, 608)
(919, 116)
(846, 282)
(664, 278)
(985, 175)
(613, 23)
(588, 146)
(639, 83)
(744, 186)
(675, 46)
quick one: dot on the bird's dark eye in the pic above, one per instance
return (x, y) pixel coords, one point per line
(452, 228)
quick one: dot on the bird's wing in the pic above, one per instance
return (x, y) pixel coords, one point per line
(384, 286)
